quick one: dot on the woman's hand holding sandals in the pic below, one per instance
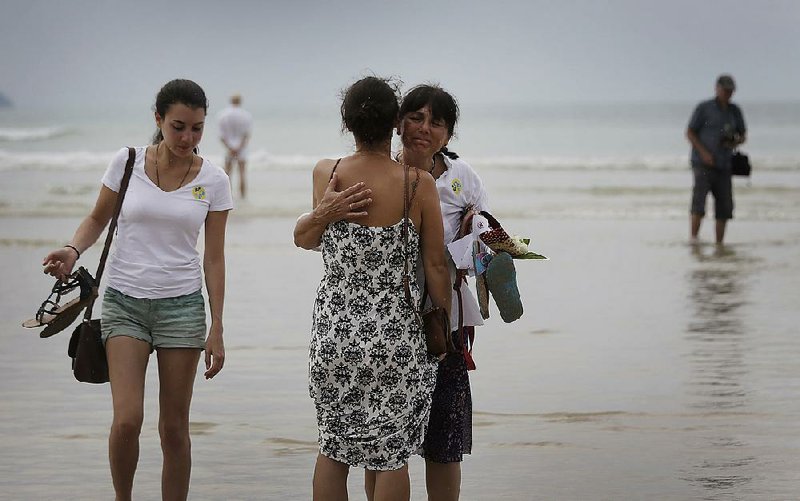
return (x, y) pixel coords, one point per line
(59, 263)
(348, 204)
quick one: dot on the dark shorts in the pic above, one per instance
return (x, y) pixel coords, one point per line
(719, 184)
(175, 322)
(449, 433)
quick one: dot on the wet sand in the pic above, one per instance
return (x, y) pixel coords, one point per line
(643, 368)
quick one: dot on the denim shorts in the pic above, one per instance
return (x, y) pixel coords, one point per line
(174, 322)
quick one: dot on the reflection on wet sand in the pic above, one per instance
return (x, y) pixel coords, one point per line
(282, 446)
(201, 428)
(716, 336)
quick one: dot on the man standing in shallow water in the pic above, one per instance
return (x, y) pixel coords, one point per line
(717, 127)
(235, 125)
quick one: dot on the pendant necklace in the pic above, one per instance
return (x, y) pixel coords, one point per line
(169, 164)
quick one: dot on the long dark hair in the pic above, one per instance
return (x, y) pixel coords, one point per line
(178, 91)
(369, 109)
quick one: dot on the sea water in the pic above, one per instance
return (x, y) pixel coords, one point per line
(643, 367)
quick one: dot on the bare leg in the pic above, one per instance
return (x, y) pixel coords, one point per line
(695, 225)
(721, 230)
(330, 479)
(176, 372)
(392, 485)
(242, 179)
(369, 484)
(228, 164)
(443, 481)
(127, 365)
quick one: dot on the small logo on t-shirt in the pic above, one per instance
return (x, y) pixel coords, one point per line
(199, 193)
(456, 186)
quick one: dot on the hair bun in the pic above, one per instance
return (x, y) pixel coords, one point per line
(369, 109)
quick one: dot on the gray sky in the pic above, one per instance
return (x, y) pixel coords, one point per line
(278, 53)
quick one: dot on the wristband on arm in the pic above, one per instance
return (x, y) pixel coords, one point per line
(75, 249)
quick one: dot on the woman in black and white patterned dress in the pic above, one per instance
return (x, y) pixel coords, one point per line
(369, 373)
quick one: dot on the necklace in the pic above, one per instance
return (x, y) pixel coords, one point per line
(399, 158)
(169, 164)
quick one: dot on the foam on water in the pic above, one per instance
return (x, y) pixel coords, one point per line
(32, 134)
(266, 160)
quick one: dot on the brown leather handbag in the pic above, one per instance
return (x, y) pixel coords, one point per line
(435, 322)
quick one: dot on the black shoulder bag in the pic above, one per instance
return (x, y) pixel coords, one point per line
(740, 164)
(89, 363)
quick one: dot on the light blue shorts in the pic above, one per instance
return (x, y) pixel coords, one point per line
(174, 322)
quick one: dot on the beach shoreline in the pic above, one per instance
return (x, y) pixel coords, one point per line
(599, 391)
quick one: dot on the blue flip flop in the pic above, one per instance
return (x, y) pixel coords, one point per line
(501, 278)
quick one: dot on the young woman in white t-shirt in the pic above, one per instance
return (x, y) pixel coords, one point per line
(153, 300)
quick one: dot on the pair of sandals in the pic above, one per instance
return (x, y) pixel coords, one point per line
(55, 316)
(500, 277)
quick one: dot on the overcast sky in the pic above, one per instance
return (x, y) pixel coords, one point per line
(276, 52)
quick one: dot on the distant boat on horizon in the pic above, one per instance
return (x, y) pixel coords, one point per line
(5, 102)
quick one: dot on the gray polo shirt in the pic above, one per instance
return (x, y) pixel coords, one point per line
(711, 123)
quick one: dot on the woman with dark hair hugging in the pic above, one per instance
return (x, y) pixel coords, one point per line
(428, 116)
(370, 375)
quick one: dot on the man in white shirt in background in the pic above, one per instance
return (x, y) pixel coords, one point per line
(235, 125)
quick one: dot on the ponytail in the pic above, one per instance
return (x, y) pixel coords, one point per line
(452, 155)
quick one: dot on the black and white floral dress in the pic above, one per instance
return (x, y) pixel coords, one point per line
(369, 373)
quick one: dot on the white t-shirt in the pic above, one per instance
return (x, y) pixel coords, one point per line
(458, 187)
(155, 249)
(234, 124)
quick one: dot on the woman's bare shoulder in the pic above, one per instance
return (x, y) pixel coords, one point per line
(326, 164)
(323, 170)
(425, 180)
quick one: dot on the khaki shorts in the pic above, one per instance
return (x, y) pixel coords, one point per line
(174, 322)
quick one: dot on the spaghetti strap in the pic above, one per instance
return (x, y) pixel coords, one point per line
(334, 169)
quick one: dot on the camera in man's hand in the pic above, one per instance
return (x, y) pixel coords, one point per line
(730, 139)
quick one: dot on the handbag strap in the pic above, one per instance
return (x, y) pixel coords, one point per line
(460, 278)
(406, 276)
(112, 227)
(406, 253)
